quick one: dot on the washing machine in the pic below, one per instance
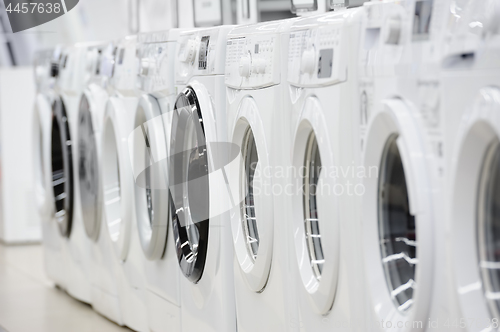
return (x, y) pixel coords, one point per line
(199, 192)
(103, 263)
(471, 106)
(322, 82)
(64, 167)
(45, 70)
(255, 74)
(118, 185)
(150, 170)
(398, 137)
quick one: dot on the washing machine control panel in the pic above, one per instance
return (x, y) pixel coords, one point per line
(196, 55)
(156, 67)
(252, 62)
(126, 66)
(315, 57)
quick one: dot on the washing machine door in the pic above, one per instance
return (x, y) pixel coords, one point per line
(88, 170)
(397, 216)
(62, 167)
(251, 218)
(189, 185)
(150, 164)
(474, 209)
(315, 210)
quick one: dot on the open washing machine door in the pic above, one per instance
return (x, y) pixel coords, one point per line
(150, 167)
(88, 167)
(62, 167)
(251, 217)
(397, 217)
(315, 210)
(474, 210)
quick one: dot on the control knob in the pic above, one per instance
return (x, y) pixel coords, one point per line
(245, 66)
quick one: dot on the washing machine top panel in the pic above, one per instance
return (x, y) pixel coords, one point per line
(88, 170)
(253, 61)
(126, 66)
(200, 52)
(62, 167)
(316, 56)
(189, 185)
(156, 73)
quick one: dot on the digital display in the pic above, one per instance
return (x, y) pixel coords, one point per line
(325, 63)
(203, 54)
(422, 19)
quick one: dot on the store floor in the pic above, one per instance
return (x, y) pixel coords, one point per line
(30, 302)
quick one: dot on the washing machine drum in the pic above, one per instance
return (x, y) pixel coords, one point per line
(189, 185)
(88, 170)
(62, 168)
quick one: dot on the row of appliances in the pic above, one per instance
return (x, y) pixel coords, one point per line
(331, 172)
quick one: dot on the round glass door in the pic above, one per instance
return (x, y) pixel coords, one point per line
(62, 168)
(488, 217)
(247, 206)
(397, 231)
(88, 170)
(189, 185)
(312, 163)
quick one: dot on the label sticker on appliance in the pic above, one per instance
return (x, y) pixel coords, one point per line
(203, 54)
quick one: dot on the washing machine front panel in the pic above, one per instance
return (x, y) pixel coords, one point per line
(62, 168)
(253, 230)
(189, 185)
(88, 166)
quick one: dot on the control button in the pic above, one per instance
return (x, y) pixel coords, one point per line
(393, 30)
(245, 66)
(189, 52)
(307, 62)
(259, 65)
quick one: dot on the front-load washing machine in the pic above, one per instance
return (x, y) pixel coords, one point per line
(199, 193)
(42, 122)
(118, 184)
(471, 106)
(322, 83)
(150, 169)
(103, 263)
(255, 72)
(67, 209)
(397, 151)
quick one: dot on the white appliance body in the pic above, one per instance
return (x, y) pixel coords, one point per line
(471, 106)
(200, 222)
(321, 94)
(398, 135)
(255, 69)
(151, 143)
(64, 153)
(118, 186)
(103, 262)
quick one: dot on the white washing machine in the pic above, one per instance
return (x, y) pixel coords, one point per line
(150, 168)
(398, 138)
(45, 71)
(118, 185)
(198, 168)
(255, 71)
(324, 248)
(67, 209)
(471, 106)
(104, 265)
